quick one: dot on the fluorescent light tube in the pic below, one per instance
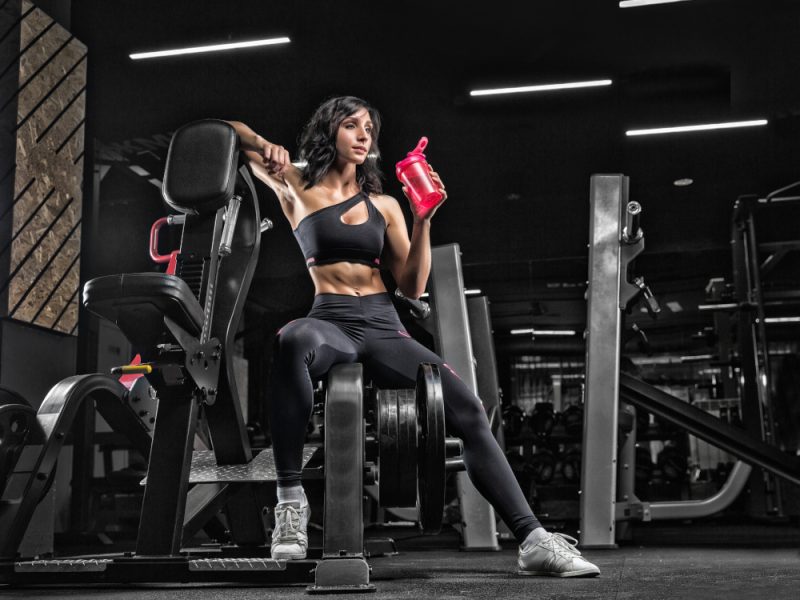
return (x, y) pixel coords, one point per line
(540, 88)
(210, 48)
(782, 320)
(467, 292)
(535, 332)
(706, 127)
(635, 3)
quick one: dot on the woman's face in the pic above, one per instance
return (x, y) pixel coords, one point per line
(354, 137)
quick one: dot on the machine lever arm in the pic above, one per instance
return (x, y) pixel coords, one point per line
(651, 302)
(231, 215)
(419, 308)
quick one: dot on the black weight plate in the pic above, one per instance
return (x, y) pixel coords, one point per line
(407, 448)
(388, 435)
(430, 448)
(11, 397)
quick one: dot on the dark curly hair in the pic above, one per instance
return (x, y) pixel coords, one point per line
(317, 144)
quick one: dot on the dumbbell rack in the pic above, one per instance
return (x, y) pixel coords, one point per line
(543, 456)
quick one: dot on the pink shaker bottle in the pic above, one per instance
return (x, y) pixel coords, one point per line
(414, 174)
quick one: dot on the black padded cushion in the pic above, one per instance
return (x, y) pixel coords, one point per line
(201, 167)
(137, 303)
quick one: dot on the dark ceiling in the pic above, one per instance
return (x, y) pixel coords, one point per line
(517, 168)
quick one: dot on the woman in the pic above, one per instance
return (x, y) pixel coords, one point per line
(348, 230)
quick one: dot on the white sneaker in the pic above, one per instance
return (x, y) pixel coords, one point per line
(289, 538)
(556, 556)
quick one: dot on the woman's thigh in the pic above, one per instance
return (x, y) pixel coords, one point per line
(316, 343)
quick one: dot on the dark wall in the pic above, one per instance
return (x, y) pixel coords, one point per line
(517, 169)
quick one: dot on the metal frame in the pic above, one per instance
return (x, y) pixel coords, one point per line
(609, 258)
(752, 343)
(454, 345)
(612, 249)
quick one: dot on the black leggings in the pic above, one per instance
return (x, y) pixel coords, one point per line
(346, 329)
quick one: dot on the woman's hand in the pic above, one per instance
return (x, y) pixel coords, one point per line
(275, 158)
(422, 213)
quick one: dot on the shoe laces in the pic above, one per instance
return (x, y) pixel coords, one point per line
(287, 522)
(564, 544)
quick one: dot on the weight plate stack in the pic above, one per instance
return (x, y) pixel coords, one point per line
(430, 448)
(388, 437)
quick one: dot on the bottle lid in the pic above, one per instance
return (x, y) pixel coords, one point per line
(415, 155)
(421, 145)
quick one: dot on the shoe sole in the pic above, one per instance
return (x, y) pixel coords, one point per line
(288, 556)
(583, 573)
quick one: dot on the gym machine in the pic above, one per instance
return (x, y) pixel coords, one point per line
(183, 327)
(607, 479)
(746, 303)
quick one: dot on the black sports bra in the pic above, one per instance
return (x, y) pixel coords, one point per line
(324, 238)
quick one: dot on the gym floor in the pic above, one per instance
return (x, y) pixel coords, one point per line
(682, 561)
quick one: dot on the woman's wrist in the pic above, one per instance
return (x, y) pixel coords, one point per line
(422, 221)
(252, 142)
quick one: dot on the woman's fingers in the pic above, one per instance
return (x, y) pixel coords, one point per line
(276, 158)
(437, 181)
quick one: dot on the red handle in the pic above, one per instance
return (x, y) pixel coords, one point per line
(159, 258)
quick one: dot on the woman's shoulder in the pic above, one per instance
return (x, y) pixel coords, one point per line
(383, 200)
(388, 207)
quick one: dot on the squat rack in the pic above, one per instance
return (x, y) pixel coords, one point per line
(615, 240)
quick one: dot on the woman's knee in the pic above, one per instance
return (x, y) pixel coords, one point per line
(464, 411)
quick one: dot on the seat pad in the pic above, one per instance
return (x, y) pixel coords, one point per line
(115, 296)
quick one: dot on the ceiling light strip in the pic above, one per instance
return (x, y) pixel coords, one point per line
(772, 320)
(210, 48)
(551, 332)
(635, 3)
(541, 88)
(705, 127)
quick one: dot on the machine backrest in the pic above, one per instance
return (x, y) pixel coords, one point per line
(201, 175)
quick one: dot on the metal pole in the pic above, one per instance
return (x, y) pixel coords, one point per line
(454, 345)
(608, 201)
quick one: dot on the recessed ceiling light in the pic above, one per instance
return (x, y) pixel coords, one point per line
(683, 181)
(703, 127)
(540, 88)
(210, 48)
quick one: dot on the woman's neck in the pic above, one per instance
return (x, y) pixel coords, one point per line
(341, 179)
